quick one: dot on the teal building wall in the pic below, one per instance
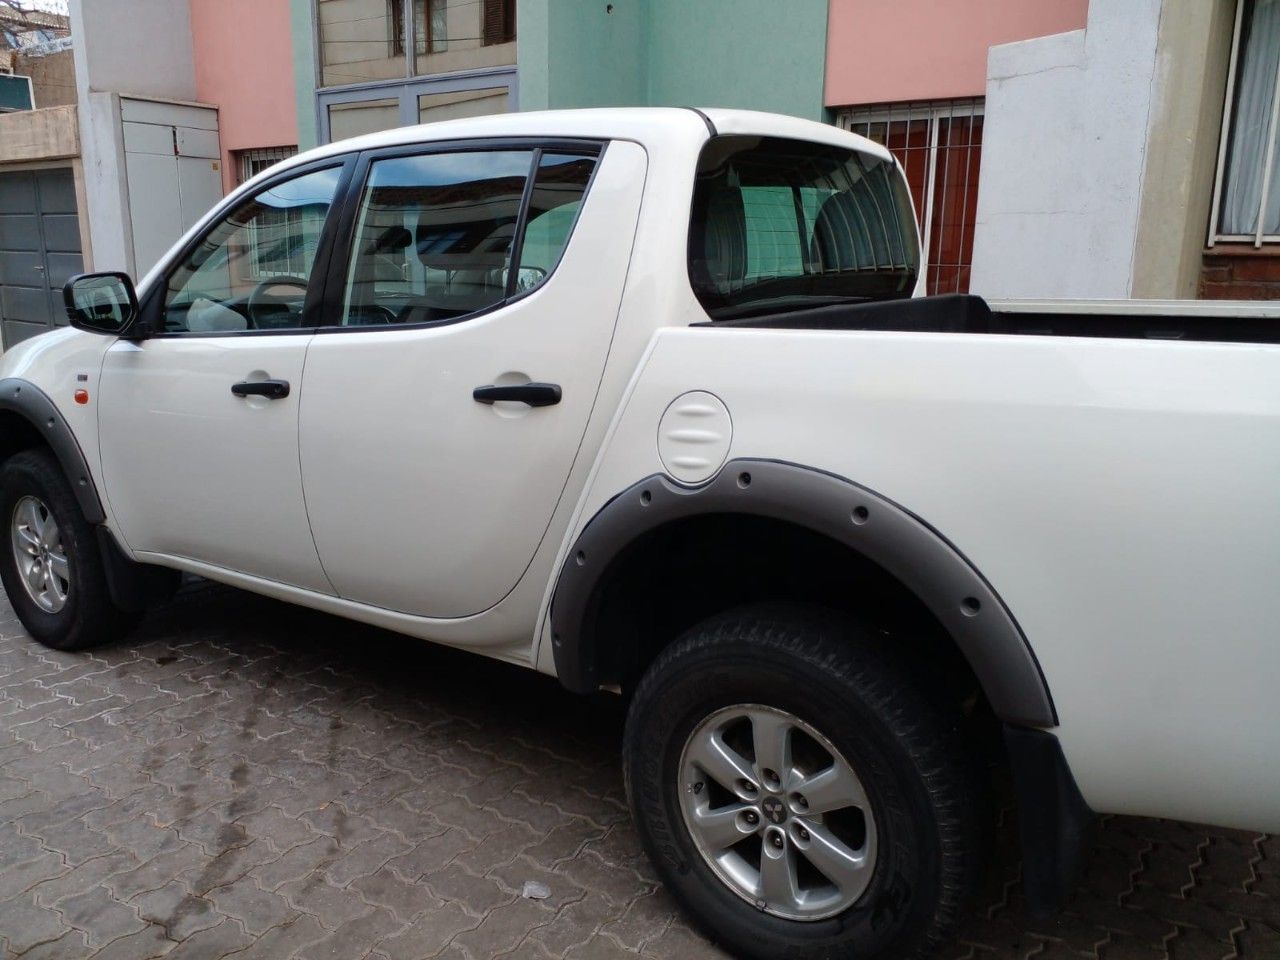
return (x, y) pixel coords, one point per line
(304, 71)
(754, 54)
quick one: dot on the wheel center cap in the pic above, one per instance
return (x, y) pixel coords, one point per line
(774, 810)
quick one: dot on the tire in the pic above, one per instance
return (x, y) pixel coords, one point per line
(920, 829)
(74, 613)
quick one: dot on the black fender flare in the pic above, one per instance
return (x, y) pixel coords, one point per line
(33, 405)
(928, 564)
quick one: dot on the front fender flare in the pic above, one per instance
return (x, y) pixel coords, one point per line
(966, 605)
(33, 405)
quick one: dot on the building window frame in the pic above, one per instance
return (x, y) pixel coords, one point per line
(932, 113)
(1259, 236)
(498, 22)
(428, 42)
(405, 91)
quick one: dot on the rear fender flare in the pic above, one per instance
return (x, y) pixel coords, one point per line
(944, 580)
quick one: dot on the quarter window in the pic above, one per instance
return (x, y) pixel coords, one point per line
(440, 236)
(251, 270)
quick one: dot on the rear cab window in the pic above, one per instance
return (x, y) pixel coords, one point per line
(780, 225)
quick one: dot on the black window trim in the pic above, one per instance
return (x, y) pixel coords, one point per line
(151, 312)
(339, 263)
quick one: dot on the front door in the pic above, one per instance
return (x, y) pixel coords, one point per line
(199, 423)
(426, 496)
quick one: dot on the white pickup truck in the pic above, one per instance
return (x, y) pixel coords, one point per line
(649, 400)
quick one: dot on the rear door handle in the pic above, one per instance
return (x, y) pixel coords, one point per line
(534, 394)
(271, 389)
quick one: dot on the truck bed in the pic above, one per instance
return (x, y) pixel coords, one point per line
(1191, 320)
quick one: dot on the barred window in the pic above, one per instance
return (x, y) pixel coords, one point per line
(939, 145)
(1246, 194)
(250, 163)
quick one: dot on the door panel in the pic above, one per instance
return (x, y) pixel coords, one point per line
(421, 499)
(191, 470)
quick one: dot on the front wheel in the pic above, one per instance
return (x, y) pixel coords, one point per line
(798, 793)
(51, 567)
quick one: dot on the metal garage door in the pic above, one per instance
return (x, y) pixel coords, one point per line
(39, 250)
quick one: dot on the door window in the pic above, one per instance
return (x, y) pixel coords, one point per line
(250, 271)
(440, 236)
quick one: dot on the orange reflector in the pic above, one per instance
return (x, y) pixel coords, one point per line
(82, 396)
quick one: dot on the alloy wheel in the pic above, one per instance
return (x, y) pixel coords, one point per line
(39, 554)
(776, 811)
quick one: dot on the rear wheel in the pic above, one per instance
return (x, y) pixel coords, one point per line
(798, 792)
(51, 567)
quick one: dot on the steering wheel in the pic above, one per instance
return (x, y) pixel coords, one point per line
(261, 304)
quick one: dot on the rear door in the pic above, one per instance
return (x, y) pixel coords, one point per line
(495, 267)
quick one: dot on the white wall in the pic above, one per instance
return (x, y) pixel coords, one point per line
(132, 47)
(1063, 155)
(141, 47)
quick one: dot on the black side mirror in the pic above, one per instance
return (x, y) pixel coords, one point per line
(101, 302)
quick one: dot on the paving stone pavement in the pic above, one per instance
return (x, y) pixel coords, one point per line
(246, 779)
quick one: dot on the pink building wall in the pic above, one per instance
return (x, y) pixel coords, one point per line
(243, 52)
(881, 51)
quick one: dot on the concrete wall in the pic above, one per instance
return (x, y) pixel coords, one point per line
(1064, 155)
(53, 77)
(239, 68)
(881, 51)
(48, 133)
(1193, 54)
(721, 53)
(141, 47)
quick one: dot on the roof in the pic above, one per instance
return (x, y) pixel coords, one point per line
(649, 126)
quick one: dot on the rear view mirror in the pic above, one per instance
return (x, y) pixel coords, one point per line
(100, 302)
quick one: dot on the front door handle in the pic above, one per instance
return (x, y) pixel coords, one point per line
(534, 394)
(271, 389)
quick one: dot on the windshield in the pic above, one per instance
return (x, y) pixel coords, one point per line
(785, 224)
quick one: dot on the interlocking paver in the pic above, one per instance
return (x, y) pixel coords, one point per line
(366, 857)
(386, 888)
(354, 936)
(431, 854)
(646, 919)
(313, 894)
(475, 894)
(243, 779)
(284, 941)
(296, 863)
(154, 873)
(70, 944)
(212, 943)
(24, 923)
(22, 876)
(175, 908)
(83, 878)
(504, 928)
(429, 933)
